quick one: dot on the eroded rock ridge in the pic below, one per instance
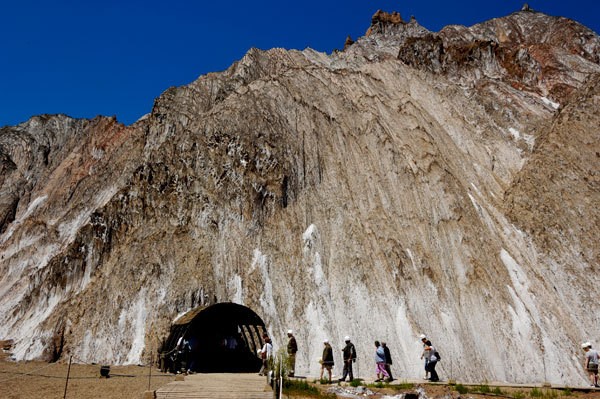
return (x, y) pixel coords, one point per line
(440, 182)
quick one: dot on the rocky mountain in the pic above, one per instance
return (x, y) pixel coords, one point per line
(438, 182)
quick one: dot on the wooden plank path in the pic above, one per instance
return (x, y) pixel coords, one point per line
(217, 386)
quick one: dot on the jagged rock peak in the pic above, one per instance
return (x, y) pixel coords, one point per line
(383, 38)
(349, 42)
(386, 17)
(529, 50)
(382, 19)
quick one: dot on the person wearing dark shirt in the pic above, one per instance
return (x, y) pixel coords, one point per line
(326, 359)
(349, 353)
(388, 359)
(292, 348)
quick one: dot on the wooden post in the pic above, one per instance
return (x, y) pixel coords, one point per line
(149, 394)
(150, 372)
(281, 377)
(68, 373)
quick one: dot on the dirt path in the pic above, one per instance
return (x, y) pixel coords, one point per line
(33, 380)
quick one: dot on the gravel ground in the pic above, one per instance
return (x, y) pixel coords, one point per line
(31, 380)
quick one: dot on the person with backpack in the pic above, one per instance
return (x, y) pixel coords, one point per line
(425, 354)
(388, 359)
(434, 357)
(380, 362)
(349, 354)
(591, 363)
(265, 355)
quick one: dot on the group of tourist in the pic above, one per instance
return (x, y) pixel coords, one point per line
(383, 358)
(266, 352)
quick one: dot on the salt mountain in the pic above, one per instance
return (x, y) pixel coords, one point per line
(445, 183)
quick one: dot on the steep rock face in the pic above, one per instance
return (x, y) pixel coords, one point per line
(365, 193)
(28, 151)
(48, 255)
(530, 51)
(553, 198)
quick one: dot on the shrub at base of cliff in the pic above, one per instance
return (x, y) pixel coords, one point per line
(302, 389)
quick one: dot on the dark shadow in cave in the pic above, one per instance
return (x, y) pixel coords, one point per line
(221, 338)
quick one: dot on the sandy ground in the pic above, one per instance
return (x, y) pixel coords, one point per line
(32, 380)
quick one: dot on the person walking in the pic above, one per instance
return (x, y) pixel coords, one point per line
(292, 348)
(431, 361)
(265, 354)
(388, 359)
(349, 354)
(591, 363)
(326, 359)
(425, 354)
(380, 362)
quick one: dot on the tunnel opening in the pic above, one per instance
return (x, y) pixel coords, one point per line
(222, 338)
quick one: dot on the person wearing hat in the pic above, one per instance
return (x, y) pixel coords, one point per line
(292, 348)
(327, 359)
(349, 354)
(591, 363)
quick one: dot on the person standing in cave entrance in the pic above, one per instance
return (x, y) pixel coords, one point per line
(265, 354)
(178, 356)
(591, 363)
(292, 348)
(191, 358)
(326, 359)
(184, 353)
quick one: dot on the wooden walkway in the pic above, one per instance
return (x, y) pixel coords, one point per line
(217, 386)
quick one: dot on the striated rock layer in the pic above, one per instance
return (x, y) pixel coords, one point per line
(445, 183)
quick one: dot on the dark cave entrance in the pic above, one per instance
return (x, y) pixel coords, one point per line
(220, 338)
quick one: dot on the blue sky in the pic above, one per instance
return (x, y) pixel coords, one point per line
(88, 58)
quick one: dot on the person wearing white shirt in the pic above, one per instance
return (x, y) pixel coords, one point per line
(265, 354)
(591, 363)
(430, 349)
